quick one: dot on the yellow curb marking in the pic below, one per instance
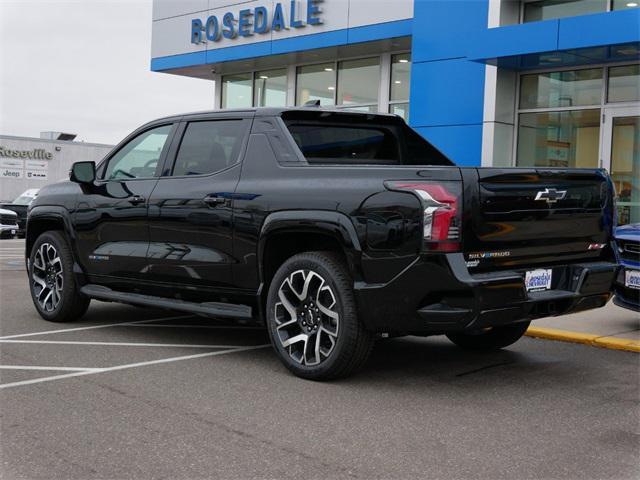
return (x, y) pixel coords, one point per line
(613, 343)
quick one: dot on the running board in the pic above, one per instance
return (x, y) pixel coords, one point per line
(210, 309)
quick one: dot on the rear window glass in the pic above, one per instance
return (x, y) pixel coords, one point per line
(344, 144)
(209, 147)
(359, 139)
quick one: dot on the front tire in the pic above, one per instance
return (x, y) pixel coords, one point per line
(312, 318)
(492, 339)
(54, 291)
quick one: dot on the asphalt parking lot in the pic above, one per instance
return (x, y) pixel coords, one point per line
(140, 393)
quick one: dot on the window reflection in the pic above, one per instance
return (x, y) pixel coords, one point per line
(561, 89)
(237, 90)
(270, 88)
(316, 82)
(358, 81)
(559, 139)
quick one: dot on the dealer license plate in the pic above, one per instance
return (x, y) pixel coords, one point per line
(537, 280)
(632, 279)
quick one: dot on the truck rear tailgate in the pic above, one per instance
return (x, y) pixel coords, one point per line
(526, 217)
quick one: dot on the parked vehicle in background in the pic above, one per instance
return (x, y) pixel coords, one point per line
(331, 227)
(20, 206)
(8, 223)
(627, 285)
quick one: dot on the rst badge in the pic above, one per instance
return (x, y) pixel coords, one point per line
(537, 280)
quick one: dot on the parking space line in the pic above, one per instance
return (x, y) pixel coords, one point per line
(116, 344)
(92, 327)
(37, 367)
(129, 365)
(213, 327)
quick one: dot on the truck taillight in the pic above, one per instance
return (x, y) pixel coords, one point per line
(441, 202)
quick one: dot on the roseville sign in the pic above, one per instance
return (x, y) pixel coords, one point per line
(31, 164)
(35, 154)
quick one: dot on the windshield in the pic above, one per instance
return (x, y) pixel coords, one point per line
(23, 200)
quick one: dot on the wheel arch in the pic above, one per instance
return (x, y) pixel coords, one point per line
(41, 220)
(288, 233)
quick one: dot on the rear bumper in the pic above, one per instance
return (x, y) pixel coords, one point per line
(438, 294)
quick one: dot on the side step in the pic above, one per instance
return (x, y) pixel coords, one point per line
(210, 309)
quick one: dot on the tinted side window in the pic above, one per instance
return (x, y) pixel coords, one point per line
(209, 146)
(139, 157)
(322, 143)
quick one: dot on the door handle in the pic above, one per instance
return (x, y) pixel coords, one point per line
(214, 201)
(136, 200)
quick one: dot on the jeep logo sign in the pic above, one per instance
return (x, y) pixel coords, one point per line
(257, 20)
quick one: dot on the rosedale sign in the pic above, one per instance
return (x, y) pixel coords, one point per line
(35, 154)
(258, 20)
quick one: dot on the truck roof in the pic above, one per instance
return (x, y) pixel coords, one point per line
(275, 111)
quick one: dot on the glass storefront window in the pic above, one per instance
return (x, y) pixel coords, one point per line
(362, 108)
(624, 84)
(400, 77)
(625, 167)
(561, 89)
(237, 90)
(624, 4)
(316, 82)
(401, 109)
(270, 88)
(358, 81)
(548, 9)
(559, 139)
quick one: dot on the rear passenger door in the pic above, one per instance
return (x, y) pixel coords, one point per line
(191, 208)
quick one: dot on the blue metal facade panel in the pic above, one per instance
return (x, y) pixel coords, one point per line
(599, 29)
(461, 143)
(447, 92)
(442, 29)
(447, 89)
(565, 34)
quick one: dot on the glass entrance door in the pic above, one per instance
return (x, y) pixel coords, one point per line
(621, 157)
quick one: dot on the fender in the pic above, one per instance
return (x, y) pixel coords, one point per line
(334, 224)
(61, 216)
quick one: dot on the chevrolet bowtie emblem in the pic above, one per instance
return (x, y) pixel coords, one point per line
(551, 195)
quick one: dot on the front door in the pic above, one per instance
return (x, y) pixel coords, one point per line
(191, 210)
(621, 157)
(111, 216)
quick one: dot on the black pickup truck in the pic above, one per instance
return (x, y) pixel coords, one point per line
(330, 227)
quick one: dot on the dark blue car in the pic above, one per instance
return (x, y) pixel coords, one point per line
(627, 285)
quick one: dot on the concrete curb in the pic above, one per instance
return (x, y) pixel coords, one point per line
(613, 343)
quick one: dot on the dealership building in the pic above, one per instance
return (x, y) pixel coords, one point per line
(30, 163)
(548, 83)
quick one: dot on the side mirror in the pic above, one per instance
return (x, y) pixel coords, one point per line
(83, 172)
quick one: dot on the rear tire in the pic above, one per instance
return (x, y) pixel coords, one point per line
(52, 284)
(312, 318)
(493, 339)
